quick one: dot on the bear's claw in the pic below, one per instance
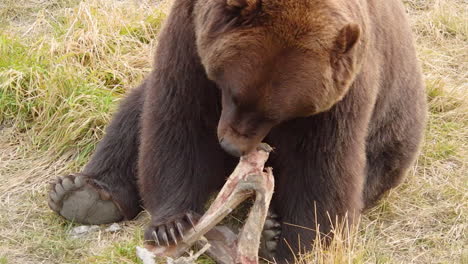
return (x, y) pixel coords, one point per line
(270, 236)
(170, 232)
(78, 198)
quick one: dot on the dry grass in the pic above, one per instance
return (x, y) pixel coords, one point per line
(64, 65)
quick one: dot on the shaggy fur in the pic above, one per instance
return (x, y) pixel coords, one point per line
(333, 85)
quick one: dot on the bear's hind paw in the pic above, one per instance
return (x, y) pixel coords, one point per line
(78, 198)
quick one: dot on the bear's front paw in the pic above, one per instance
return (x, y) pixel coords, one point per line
(170, 232)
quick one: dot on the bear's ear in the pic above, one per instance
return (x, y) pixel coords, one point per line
(347, 38)
(344, 60)
(245, 7)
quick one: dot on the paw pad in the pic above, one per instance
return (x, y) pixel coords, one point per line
(76, 198)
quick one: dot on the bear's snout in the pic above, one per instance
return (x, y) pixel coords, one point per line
(230, 148)
(239, 136)
(235, 143)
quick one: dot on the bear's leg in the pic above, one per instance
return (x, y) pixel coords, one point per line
(315, 208)
(321, 207)
(390, 154)
(181, 165)
(319, 178)
(180, 161)
(106, 191)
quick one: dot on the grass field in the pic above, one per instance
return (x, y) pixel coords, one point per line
(64, 65)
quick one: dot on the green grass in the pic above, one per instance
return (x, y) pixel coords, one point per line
(119, 252)
(65, 64)
(36, 90)
(72, 74)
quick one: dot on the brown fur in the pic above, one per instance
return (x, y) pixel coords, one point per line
(333, 85)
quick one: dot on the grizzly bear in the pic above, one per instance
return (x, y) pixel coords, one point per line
(333, 85)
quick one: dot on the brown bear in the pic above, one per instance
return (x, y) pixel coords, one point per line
(333, 85)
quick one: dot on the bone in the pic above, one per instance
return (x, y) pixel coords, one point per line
(248, 178)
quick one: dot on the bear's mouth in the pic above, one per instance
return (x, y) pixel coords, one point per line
(239, 144)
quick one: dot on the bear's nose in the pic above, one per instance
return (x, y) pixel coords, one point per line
(230, 148)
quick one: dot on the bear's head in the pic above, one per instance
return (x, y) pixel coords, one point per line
(274, 61)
